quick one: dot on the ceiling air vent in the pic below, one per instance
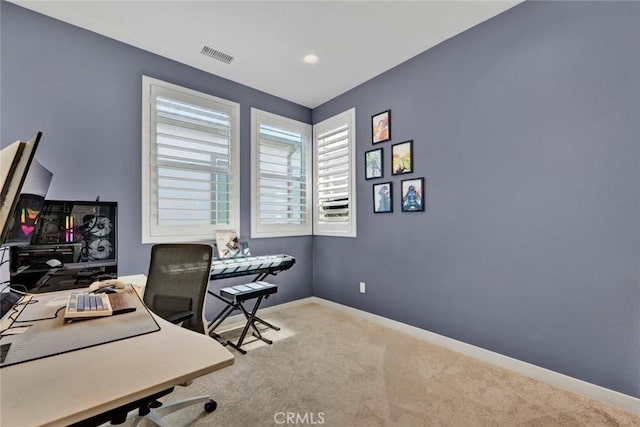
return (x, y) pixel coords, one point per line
(215, 54)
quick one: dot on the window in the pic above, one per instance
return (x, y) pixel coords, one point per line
(280, 176)
(334, 176)
(190, 163)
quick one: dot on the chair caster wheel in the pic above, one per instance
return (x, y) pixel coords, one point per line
(210, 406)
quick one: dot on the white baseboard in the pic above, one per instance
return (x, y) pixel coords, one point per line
(611, 397)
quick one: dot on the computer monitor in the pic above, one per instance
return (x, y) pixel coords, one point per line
(23, 186)
(24, 183)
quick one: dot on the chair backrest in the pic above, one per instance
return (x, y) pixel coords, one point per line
(178, 280)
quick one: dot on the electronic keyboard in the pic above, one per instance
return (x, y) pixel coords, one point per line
(242, 266)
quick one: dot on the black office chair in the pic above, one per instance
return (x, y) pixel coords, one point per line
(177, 283)
(176, 288)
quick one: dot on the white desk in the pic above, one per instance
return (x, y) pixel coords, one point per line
(49, 391)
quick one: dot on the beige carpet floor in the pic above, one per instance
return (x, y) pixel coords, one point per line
(330, 368)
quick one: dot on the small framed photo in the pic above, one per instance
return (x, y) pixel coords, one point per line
(402, 158)
(381, 127)
(382, 197)
(412, 199)
(373, 164)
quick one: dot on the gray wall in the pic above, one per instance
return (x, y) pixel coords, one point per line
(84, 92)
(526, 130)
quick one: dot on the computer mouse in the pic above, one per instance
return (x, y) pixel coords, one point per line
(112, 284)
(54, 263)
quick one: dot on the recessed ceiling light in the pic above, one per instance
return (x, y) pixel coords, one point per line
(310, 59)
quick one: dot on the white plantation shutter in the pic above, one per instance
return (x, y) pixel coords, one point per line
(333, 175)
(281, 180)
(190, 164)
(334, 155)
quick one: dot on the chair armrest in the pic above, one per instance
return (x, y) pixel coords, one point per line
(179, 317)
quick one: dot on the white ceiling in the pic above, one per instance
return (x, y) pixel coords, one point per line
(355, 40)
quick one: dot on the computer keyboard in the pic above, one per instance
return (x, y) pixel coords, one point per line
(87, 304)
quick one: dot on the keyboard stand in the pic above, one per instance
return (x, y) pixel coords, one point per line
(234, 297)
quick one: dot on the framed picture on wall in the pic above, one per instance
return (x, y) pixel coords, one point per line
(373, 164)
(382, 197)
(412, 198)
(402, 158)
(381, 127)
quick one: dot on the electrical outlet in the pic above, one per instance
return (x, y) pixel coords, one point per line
(362, 287)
